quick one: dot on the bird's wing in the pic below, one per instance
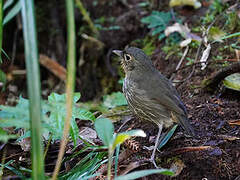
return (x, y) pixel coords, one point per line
(162, 92)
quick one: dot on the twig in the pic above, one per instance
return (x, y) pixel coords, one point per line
(15, 36)
(180, 62)
(122, 156)
(99, 43)
(185, 149)
(133, 165)
(197, 63)
(47, 147)
(204, 35)
(86, 16)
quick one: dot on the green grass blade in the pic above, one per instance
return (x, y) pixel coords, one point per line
(116, 160)
(166, 138)
(15, 171)
(33, 81)
(1, 28)
(142, 173)
(12, 13)
(7, 4)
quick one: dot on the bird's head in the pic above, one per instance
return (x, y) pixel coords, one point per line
(134, 59)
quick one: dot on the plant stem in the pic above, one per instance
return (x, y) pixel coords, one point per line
(86, 17)
(71, 69)
(110, 155)
(34, 90)
(1, 28)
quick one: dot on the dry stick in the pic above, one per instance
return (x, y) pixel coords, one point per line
(184, 150)
(47, 147)
(3, 162)
(71, 60)
(64, 138)
(132, 166)
(180, 62)
(19, 28)
(205, 33)
(211, 62)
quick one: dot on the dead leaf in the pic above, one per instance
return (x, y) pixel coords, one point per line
(177, 167)
(184, 31)
(185, 42)
(196, 4)
(25, 144)
(53, 67)
(87, 133)
(205, 56)
(237, 52)
(234, 122)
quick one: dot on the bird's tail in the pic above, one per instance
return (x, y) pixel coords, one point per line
(184, 122)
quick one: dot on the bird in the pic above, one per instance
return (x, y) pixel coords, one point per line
(150, 95)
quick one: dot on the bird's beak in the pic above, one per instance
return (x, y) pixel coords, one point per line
(118, 52)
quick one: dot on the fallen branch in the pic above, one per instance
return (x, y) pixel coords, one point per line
(212, 82)
(185, 149)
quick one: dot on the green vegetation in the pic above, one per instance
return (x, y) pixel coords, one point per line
(60, 116)
(158, 21)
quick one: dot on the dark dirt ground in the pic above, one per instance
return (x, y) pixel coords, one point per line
(209, 112)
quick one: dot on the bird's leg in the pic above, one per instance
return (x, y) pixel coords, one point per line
(156, 145)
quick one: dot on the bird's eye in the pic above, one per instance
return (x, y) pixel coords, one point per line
(127, 57)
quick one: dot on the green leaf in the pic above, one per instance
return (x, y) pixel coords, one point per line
(17, 116)
(216, 34)
(167, 137)
(57, 98)
(158, 21)
(7, 4)
(3, 79)
(231, 35)
(83, 114)
(121, 137)
(232, 81)
(194, 3)
(53, 112)
(114, 100)
(15, 171)
(85, 167)
(74, 132)
(4, 136)
(142, 173)
(12, 13)
(105, 130)
(57, 108)
(26, 135)
(116, 160)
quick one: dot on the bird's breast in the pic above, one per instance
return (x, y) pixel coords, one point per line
(142, 106)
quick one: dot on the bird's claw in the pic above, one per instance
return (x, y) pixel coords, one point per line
(152, 160)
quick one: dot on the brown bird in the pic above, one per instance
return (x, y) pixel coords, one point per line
(150, 95)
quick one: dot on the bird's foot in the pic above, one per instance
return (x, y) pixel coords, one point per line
(152, 160)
